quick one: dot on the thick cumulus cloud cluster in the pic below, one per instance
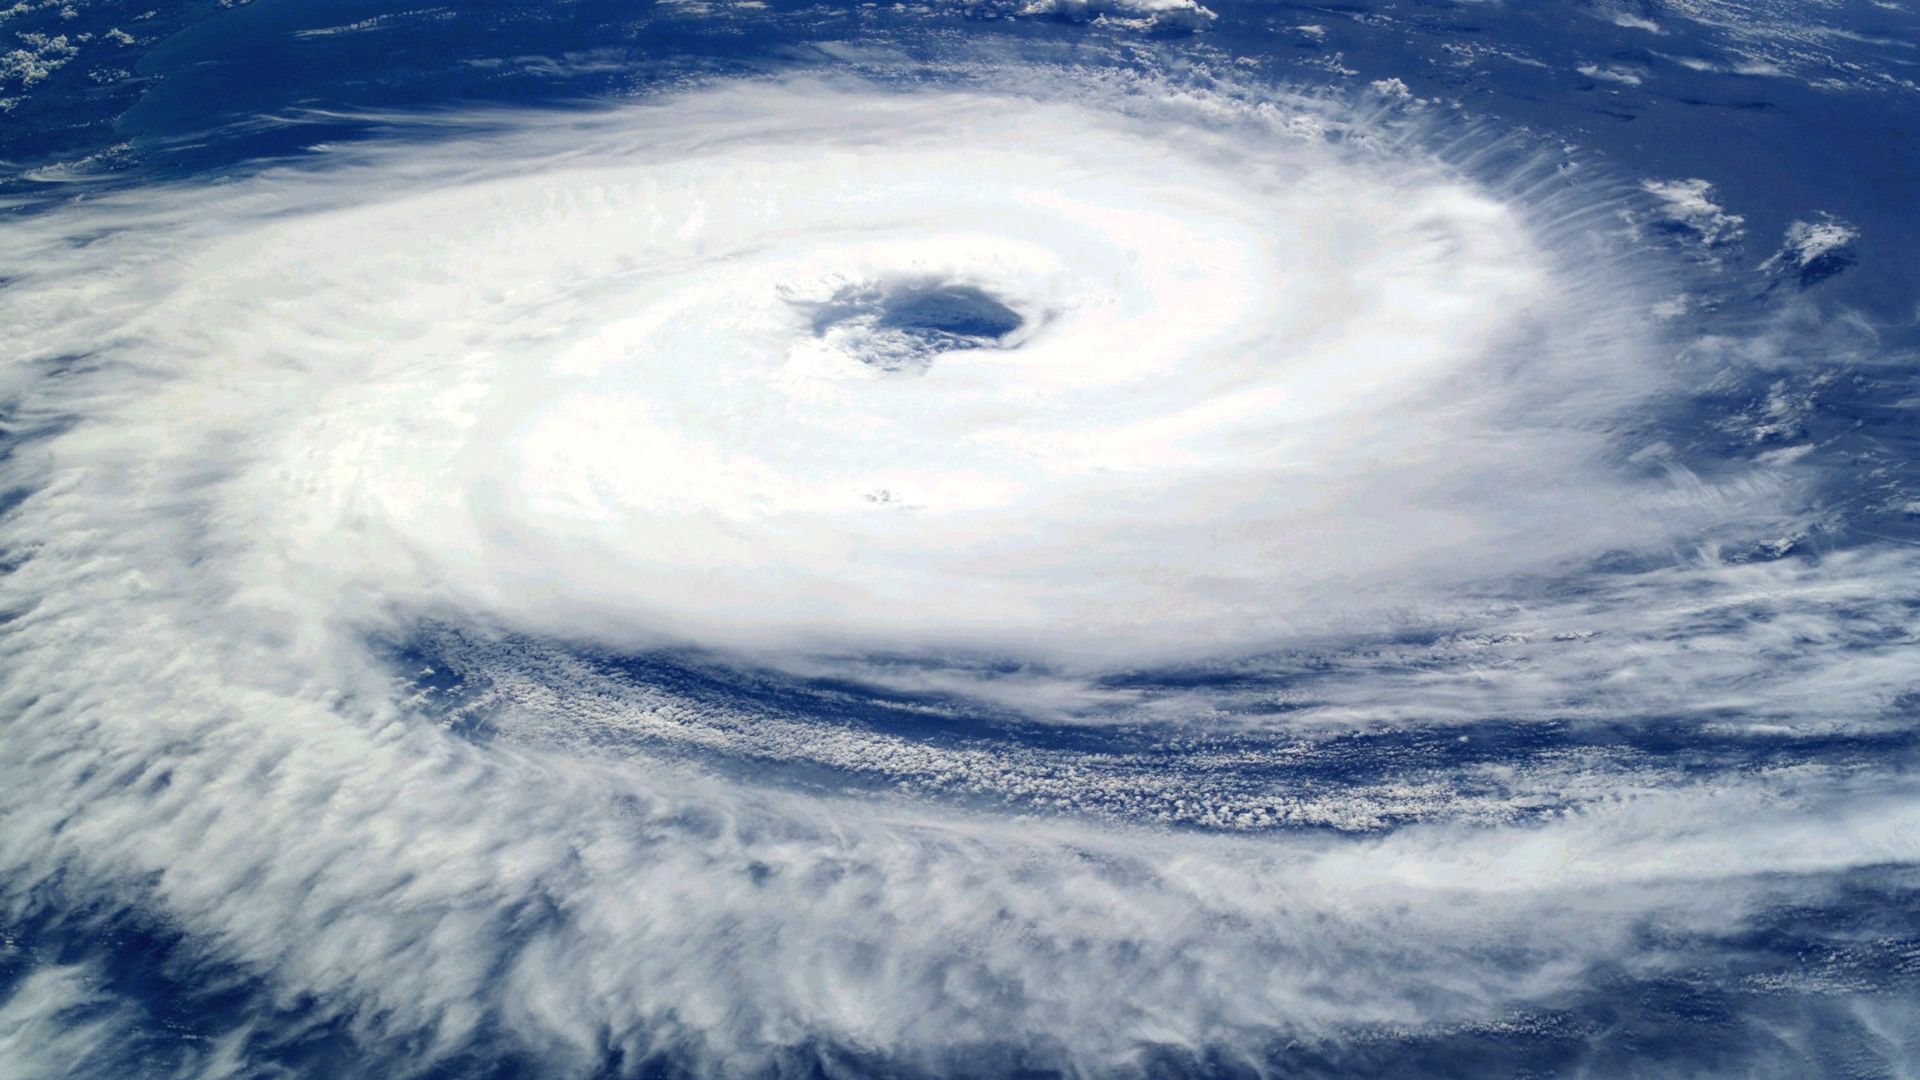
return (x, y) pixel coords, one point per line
(1073, 376)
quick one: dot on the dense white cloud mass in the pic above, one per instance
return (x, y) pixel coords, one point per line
(1020, 389)
(679, 379)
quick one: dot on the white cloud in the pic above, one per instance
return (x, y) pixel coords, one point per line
(1626, 76)
(555, 377)
(1807, 242)
(1262, 387)
(1691, 204)
(1137, 14)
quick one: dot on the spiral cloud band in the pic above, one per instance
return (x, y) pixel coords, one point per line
(1019, 374)
(387, 520)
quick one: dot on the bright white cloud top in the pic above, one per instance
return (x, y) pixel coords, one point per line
(730, 368)
(1075, 376)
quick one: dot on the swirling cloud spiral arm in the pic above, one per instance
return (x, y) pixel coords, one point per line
(803, 372)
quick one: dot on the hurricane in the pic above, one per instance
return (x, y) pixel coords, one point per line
(1016, 541)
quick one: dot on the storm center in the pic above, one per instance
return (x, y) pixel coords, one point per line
(899, 326)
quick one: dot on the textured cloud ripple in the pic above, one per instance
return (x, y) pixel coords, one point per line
(797, 574)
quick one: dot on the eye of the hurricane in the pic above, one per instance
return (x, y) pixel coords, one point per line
(899, 326)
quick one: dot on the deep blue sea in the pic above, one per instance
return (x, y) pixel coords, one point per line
(1074, 538)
